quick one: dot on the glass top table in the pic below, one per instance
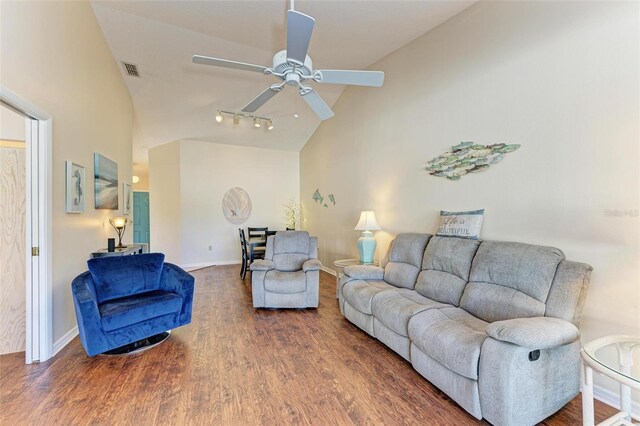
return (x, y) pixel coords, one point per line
(612, 356)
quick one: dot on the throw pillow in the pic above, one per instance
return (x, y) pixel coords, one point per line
(461, 224)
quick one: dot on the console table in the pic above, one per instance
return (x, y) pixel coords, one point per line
(594, 357)
(121, 251)
(343, 263)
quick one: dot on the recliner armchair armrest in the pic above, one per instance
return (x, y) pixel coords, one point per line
(534, 333)
(262, 265)
(311, 265)
(364, 272)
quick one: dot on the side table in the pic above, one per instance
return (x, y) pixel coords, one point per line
(619, 369)
(343, 263)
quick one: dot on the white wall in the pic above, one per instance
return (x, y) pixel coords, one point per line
(207, 170)
(560, 78)
(12, 125)
(54, 55)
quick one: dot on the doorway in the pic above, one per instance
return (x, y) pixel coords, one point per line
(12, 232)
(36, 250)
(141, 229)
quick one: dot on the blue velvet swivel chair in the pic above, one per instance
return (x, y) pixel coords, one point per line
(122, 300)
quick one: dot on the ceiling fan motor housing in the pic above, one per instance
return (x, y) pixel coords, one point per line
(282, 66)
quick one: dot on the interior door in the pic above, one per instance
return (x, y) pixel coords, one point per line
(141, 218)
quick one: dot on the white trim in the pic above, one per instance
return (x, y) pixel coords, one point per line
(65, 340)
(612, 399)
(328, 271)
(39, 319)
(213, 263)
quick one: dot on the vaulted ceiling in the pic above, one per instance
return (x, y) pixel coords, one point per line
(176, 100)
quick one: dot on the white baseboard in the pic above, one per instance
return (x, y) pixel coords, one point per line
(613, 399)
(64, 340)
(328, 271)
(207, 264)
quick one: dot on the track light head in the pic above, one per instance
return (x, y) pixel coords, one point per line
(236, 119)
(269, 125)
(219, 117)
(256, 122)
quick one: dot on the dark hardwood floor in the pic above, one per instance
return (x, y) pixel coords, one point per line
(236, 365)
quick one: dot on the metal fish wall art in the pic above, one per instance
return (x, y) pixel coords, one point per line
(468, 157)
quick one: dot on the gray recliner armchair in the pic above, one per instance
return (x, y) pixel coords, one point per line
(289, 275)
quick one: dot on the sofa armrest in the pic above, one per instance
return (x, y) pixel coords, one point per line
(364, 272)
(311, 265)
(177, 280)
(262, 265)
(87, 311)
(534, 333)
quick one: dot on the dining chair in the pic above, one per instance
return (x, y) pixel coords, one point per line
(258, 252)
(245, 254)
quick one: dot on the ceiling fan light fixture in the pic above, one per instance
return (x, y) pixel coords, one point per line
(236, 119)
(219, 117)
(256, 122)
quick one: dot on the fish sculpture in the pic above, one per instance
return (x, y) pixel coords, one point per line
(466, 157)
(317, 197)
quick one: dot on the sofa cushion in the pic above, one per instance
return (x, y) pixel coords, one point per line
(445, 268)
(409, 248)
(291, 242)
(405, 259)
(285, 282)
(289, 262)
(510, 280)
(394, 309)
(121, 276)
(125, 311)
(360, 293)
(451, 336)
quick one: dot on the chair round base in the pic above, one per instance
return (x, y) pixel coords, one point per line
(140, 346)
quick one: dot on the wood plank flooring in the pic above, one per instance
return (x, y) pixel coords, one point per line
(236, 365)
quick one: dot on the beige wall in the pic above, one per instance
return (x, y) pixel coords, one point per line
(54, 55)
(188, 210)
(560, 78)
(164, 201)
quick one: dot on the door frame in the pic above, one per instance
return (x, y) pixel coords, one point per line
(39, 296)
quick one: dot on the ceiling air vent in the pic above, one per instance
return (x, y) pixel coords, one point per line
(131, 69)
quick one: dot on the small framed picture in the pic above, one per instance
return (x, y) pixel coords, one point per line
(75, 188)
(127, 196)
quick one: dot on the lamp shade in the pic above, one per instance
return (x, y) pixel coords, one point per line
(367, 221)
(119, 222)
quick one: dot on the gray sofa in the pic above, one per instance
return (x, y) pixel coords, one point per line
(492, 324)
(289, 275)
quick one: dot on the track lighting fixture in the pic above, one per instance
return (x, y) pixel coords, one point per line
(257, 121)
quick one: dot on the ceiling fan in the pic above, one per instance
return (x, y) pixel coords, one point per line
(294, 67)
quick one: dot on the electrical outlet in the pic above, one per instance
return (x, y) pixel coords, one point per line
(210, 248)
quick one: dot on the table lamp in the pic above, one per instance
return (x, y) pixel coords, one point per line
(119, 224)
(366, 243)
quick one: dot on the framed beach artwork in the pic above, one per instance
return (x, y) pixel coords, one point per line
(75, 188)
(105, 174)
(127, 198)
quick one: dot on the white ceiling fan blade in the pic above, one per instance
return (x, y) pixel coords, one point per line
(224, 63)
(318, 105)
(299, 30)
(356, 78)
(260, 100)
